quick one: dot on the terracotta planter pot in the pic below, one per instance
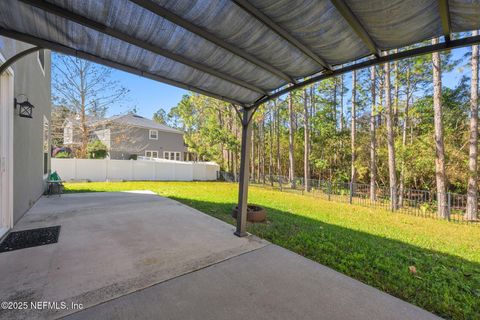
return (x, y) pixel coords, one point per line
(254, 213)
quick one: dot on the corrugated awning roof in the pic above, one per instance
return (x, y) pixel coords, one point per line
(239, 51)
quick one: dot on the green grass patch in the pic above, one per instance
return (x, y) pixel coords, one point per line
(374, 246)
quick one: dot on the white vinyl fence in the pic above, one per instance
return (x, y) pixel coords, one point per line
(153, 169)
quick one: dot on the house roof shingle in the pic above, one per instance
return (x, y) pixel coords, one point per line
(135, 120)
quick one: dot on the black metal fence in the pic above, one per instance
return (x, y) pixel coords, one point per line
(421, 203)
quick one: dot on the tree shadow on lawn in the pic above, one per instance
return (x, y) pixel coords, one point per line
(444, 284)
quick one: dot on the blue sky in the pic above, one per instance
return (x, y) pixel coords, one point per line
(452, 78)
(148, 95)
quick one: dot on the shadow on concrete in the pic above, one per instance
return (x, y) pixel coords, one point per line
(443, 284)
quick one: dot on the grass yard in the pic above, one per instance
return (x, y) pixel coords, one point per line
(433, 264)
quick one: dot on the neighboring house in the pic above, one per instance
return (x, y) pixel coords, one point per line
(128, 136)
(24, 142)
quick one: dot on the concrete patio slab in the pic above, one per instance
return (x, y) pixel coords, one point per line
(111, 244)
(268, 283)
(140, 256)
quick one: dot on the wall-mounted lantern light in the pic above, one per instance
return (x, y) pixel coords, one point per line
(25, 108)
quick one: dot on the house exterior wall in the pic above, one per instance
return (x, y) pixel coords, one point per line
(123, 141)
(135, 141)
(72, 136)
(28, 134)
(68, 133)
(104, 136)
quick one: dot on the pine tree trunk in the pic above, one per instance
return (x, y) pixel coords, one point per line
(279, 164)
(440, 173)
(270, 160)
(472, 191)
(353, 127)
(312, 106)
(396, 92)
(392, 174)
(311, 130)
(235, 152)
(373, 139)
(306, 158)
(341, 103)
(404, 139)
(229, 151)
(341, 120)
(291, 142)
(222, 145)
(252, 156)
(334, 106)
(380, 97)
(261, 153)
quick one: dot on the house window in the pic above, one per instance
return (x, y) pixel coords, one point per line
(153, 134)
(46, 138)
(171, 155)
(68, 135)
(41, 60)
(151, 154)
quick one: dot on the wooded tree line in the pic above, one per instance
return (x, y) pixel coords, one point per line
(392, 125)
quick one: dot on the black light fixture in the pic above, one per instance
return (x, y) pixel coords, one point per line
(25, 109)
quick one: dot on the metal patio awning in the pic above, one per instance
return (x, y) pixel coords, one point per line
(241, 51)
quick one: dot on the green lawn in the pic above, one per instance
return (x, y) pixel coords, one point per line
(374, 246)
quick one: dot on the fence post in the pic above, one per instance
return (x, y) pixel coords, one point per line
(106, 169)
(351, 192)
(154, 170)
(392, 200)
(329, 189)
(132, 170)
(75, 168)
(449, 203)
(175, 171)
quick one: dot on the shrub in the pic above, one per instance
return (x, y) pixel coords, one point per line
(63, 155)
(96, 150)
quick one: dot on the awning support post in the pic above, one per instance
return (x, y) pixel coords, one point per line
(244, 172)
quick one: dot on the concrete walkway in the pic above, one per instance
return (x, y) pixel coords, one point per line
(141, 256)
